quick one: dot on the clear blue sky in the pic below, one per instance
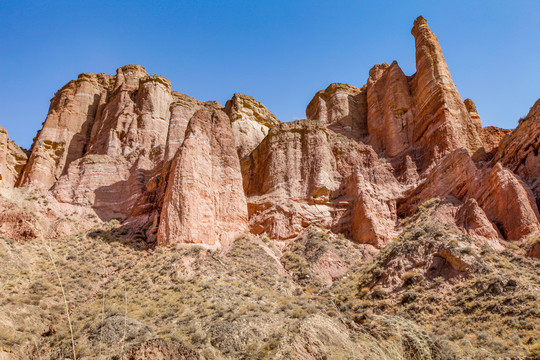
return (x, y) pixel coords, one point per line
(280, 52)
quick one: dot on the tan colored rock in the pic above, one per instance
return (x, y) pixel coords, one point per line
(474, 222)
(135, 116)
(64, 136)
(342, 107)
(491, 138)
(250, 120)
(473, 113)
(506, 201)
(204, 202)
(12, 160)
(182, 109)
(534, 250)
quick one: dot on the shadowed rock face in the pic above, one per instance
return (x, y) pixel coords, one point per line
(185, 171)
(12, 160)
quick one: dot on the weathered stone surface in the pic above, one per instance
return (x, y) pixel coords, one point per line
(64, 136)
(491, 138)
(304, 174)
(250, 120)
(390, 114)
(519, 151)
(204, 202)
(342, 107)
(506, 201)
(473, 113)
(509, 204)
(534, 250)
(182, 109)
(12, 160)
(442, 121)
(474, 222)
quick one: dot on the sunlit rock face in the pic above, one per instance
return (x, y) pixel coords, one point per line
(180, 170)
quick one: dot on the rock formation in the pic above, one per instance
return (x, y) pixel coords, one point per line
(342, 107)
(204, 202)
(180, 170)
(304, 174)
(250, 120)
(12, 160)
(519, 150)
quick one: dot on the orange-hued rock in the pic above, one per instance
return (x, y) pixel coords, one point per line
(123, 146)
(422, 116)
(473, 113)
(534, 250)
(204, 202)
(442, 122)
(519, 151)
(304, 174)
(65, 132)
(250, 120)
(342, 107)
(12, 160)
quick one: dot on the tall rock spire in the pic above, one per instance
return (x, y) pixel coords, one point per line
(441, 115)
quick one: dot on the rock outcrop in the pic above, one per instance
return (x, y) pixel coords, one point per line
(507, 202)
(519, 150)
(304, 174)
(342, 107)
(65, 132)
(180, 170)
(204, 202)
(12, 160)
(250, 120)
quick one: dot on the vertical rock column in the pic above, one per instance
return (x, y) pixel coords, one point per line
(204, 202)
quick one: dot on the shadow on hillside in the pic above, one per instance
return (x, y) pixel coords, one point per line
(124, 235)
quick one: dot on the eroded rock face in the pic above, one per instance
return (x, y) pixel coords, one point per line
(474, 222)
(519, 150)
(204, 202)
(507, 202)
(342, 107)
(182, 109)
(12, 160)
(65, 132)
(304, 174)
(184, 171)
(250, 120)
(442, 120)
(390, 113)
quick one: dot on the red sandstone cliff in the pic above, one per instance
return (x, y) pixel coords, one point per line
(185, 171)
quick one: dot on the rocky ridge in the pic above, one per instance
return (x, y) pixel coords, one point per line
(128, 146)
(381, 185)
